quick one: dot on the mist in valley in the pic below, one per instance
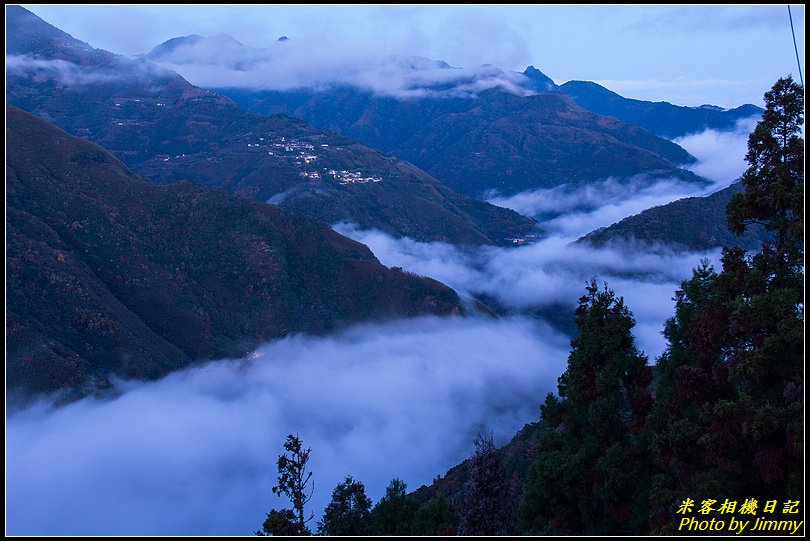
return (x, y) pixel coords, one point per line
(195, 452)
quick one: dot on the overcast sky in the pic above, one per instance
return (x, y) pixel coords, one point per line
(724, 55)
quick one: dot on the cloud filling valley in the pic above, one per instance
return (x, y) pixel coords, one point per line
(195, 452)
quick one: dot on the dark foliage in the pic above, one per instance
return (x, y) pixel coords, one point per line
(281, 523)
(486, 509)
(436, 517)
(294, 481)
(590, 474)
(394, 513)
(728, 423)
(348, 512)
(774, 182)
(516, 458)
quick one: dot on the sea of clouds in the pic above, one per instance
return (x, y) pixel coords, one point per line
(195, 452)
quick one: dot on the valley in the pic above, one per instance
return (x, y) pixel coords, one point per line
(482, 299)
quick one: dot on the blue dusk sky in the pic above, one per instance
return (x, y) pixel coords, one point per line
(724, 55)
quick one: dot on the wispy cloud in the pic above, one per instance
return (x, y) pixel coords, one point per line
(713, 19)
(304, 63)
(476, 38)
(721, 155)
(72, 74)
(67, 73)
(574, 210)
(549, 274)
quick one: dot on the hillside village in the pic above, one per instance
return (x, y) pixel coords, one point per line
(306, 155)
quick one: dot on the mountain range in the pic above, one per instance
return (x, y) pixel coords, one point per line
(109, 274)
(495, 140)
(529, 137)
(661, 118)
(167, 129)
(475, 130)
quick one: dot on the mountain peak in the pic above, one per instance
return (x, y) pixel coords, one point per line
(171, 46)
(539, 80)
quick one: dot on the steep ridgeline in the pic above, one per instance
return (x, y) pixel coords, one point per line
(495, 139)
(167, 129)
(693, 223)
(661, 118)
(108, 273)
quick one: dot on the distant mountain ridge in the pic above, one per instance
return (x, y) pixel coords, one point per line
(693, 223)
(168, 130)
(661, 118)
(109, 274)
(495, 141)
(475, 130)
(215, 50)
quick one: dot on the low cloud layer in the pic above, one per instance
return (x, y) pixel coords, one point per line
(195, 453)
(720, 154)
(63, 71)
(550, 274)
(308, 63)
(71, 74)
(573, 211)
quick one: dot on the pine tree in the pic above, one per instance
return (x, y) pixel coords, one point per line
(590, 476)
(348, 512)
(394, 513)
(281, 523)
(728, 420)
(774, 182)
(486, 509)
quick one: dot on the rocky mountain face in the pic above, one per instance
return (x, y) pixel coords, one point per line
(167, 129)
(110, 274)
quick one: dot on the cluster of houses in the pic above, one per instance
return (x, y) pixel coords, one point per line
(305, 154)
(302, 148)
(531, 238)
(353, 177)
